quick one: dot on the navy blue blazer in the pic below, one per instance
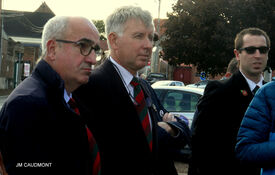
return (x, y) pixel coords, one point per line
(215, 127)
(111, 115)
(39, 134)
(168, 147)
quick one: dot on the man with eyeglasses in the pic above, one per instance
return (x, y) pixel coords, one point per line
(41, 129)
(222, 107)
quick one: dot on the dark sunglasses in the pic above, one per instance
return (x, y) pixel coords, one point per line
(85, 46)
(252, 49)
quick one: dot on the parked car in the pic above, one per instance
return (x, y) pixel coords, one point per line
(180, 101)
(167, 83)
(201, 84)
(154, 77)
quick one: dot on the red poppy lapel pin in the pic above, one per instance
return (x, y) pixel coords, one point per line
(244, 92)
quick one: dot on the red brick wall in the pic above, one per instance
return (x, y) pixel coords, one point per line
(31, 54)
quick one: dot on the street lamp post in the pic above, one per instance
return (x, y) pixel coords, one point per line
(1, 27)
(157, 49)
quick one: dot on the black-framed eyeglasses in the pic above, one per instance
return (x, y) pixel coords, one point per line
(85, 46)
(252, 49)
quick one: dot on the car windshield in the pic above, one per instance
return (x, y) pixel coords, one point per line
(178, 101)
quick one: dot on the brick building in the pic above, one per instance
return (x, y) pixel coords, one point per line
(21, 37)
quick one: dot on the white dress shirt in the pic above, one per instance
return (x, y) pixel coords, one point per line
(252, 84)
(67, 97)
(126, 78)
(125, 75)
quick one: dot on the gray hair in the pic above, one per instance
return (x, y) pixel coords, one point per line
(116, 21)
(54, 28)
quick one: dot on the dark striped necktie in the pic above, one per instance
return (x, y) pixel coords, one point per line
(92, 143)
(255, 89)
(142, 110)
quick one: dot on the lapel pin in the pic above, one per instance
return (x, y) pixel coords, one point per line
(244, 92)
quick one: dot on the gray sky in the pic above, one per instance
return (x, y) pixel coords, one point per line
(92, 9)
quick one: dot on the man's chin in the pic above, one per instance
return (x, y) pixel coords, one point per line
(258, 69)
(143, 63)
(84, 80)
(141, 66)
(257, 72)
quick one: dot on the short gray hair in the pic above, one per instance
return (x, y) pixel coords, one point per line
(54, 28)
(116, 21)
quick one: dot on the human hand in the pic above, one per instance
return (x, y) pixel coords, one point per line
(168, 128)
(168, 117)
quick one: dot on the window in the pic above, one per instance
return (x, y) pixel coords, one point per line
(180, 101)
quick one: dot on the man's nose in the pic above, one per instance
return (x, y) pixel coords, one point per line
(148, 43)
(257, 53)
(91, 58)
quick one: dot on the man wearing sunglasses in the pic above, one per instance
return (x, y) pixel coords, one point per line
(222, 107)
(255, 140)
(41, 130)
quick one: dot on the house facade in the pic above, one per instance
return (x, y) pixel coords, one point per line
(21, 38)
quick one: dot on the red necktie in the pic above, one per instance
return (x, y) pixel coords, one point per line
(92, 143)
(142, 110)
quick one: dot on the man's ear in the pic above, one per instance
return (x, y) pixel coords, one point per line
(113, 39)
(237, 54)
(51, 49)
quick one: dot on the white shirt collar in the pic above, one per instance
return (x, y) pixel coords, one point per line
(66, 96)
(125, 74)
(252, 84)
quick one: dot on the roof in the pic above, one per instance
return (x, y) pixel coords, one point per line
(182, 88)
(25, 24)
(166, 83)
(44, 8)
(27, 41)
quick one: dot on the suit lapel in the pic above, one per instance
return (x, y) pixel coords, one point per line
(242, 86)
(243, 98)
(152, 110)
(117, 82)
(119, 88)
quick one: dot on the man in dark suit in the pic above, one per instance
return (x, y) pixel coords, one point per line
(110, 96)
(39, 132)
(222, 107)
